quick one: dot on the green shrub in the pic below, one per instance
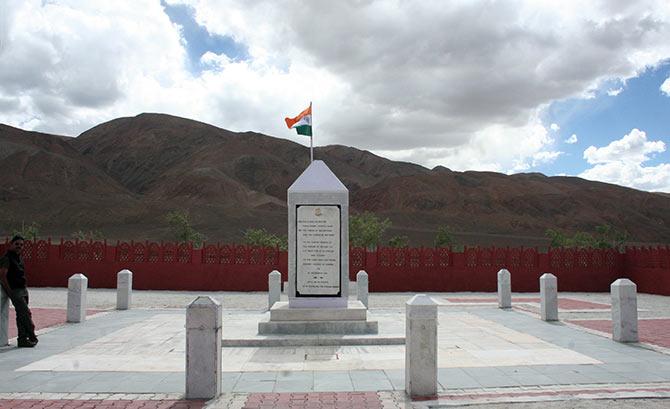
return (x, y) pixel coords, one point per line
(399, 241)
(366, 229)
(261, 238)
(444, 237)
(181, 229)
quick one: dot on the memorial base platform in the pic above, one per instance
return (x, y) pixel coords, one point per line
(311, 321)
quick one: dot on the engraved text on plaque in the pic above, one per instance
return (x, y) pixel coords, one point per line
(318, 250)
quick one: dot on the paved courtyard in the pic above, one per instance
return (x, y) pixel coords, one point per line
(485, 355)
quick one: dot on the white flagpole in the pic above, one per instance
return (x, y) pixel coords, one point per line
(311, 137)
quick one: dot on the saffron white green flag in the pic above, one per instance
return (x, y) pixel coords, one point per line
(301, 123)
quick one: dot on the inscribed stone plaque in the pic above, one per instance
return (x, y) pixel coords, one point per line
(318, 250)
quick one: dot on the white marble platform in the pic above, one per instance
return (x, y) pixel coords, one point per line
(466, 340)
(318, 320)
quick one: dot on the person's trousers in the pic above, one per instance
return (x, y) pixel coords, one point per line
(24, 318)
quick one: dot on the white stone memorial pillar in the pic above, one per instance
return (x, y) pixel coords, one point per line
(124, 289)
(203, 349)
(548, 297)
(274, 288)
(421, 347)
(504, 289)
(318, 240)
(4, 318)
(624, 311)
(76, 298)
(362, 287)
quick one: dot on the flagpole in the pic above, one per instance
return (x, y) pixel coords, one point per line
(311, 137)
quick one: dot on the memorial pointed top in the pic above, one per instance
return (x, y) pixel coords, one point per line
(203, 301)
(317, 178)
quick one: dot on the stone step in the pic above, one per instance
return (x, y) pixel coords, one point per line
(318, 327)
(312, 340)
(355, 311)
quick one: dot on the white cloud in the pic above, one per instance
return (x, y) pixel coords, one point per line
(631, 148)
(613, 92)
(665, 87)
(572, 139)
(383, 76)
(622, 162)
(554, 127)
(488, 150)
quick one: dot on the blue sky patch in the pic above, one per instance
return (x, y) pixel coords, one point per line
(199, 40)
(640, 104)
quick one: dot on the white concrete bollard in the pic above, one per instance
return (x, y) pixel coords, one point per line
(4, 318)
(274, 288)
(548, 297)
(76, 298)
(624, 310)
(504, 289)
(362, 287)
(124, 289)
(421, 347)
(203, 349)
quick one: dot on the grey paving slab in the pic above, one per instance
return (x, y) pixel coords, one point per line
(257, 377)
(397, 378)
(228, 381)
(255, 386)
(455, 378)
(63, 382)
(621, 363)
(333, 381)
(532, 380)
(294, 386)
(497, 381)
(370, 380)
(297, 381)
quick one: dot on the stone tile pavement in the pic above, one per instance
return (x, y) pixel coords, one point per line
(485, 355)
(44, 318)
(655, 331)
(566, 304)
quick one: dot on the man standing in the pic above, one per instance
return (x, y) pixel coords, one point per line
(13, 279)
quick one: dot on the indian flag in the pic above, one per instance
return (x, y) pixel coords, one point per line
(301, 123)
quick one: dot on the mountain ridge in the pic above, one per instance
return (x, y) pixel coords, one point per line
(123, 176)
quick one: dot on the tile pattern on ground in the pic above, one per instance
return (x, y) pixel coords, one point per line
(99, 404)
(466, 341)
(653, 331)
(567, 304)
(43, 318)
(155, 344)
(315, 400)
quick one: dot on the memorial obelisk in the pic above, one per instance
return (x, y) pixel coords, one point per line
(318, 261)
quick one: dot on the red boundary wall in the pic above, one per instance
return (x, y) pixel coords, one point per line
(217, 267)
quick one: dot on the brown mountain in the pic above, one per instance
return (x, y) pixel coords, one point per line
(122, 177)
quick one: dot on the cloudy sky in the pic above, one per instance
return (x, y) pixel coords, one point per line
(554, 86)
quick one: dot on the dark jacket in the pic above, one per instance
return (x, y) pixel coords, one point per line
(16, 274)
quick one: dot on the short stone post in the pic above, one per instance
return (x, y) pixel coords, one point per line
(362, 287)
(274, 288)
(124, 289)
(549, 297)
(203, 349)
(421, 347)
(4, 318)
(624, 310)
(504, 289)
(76, 298)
